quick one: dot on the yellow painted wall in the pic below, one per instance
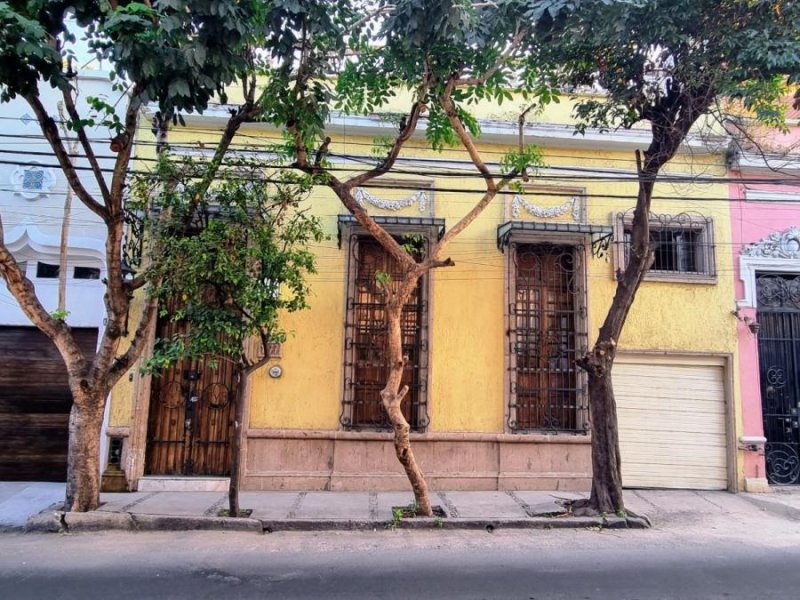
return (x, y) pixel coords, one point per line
(467, 336)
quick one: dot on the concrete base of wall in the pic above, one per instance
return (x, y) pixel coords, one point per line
(756, 485)
(366, 461)
(166, 483)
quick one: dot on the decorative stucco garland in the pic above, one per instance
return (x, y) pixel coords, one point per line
(419, 197)
(546, 213)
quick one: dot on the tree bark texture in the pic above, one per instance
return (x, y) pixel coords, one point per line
(392, 395)
(83, 462)
(242, 381)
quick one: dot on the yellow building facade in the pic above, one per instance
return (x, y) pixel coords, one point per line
(497, 400)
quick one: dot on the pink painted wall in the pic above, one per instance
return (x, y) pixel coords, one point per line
(752, 221)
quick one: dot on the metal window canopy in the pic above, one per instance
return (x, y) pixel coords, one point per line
(396, 225)
(601, 234)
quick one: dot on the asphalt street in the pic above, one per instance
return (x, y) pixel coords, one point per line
(685, 557)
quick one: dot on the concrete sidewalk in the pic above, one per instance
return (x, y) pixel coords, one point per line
(317, 511)
(320, 511)
(21, 499)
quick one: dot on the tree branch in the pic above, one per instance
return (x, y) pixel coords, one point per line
(124, 362)
(80, 130)
(405, 134)
(492, 187)
(504, 57)
(50, 131)
(120, 171)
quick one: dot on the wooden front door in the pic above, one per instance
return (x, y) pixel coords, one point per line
(191, 416)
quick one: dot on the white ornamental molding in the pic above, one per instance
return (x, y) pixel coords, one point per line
(550, 212)
(781, 244)
(419, 197)
(779, 252)
(32, 181)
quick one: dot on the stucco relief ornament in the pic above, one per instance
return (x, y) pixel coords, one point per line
(32, 181)
(419, 197)
(549, 212)
(781, 244)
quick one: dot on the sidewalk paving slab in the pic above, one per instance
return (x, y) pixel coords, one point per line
(121, 502)
(179, 504)
(333, 505)
(268, 505)
(483, 505)
(21, 499)
(779, 503)
(678, 501)
(547, 503)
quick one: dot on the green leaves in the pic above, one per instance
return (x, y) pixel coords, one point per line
(178, 53)
(520, 161)
(650, 56)
(230, 263)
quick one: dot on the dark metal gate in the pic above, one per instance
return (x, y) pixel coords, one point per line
(191, 416)
(779, 357)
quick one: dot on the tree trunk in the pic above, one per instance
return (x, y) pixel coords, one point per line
(242, 381)
(392, 396)
(606, 496)
(83, 462)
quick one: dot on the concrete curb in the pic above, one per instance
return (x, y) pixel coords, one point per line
(172, 523)
(45, 522)
(60, 522)
(774, 507)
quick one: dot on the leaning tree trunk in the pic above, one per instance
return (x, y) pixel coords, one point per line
(242, 381)
(392, 395)
(606, 495)
(83, 462)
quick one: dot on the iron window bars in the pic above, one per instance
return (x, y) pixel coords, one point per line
(547, 333)
(365, 352)
(683, 246)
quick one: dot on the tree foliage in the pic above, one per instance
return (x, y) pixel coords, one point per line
(178, 53)
(235, 262)
(642, 54)
(666, 63)
(173, 53)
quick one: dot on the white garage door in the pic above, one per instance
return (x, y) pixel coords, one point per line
(672, 423)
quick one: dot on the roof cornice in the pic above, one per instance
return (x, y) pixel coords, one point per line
(554, 135)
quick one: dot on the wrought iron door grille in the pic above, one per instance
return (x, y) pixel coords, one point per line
(366, 368)
(546, 335)
(779, 357)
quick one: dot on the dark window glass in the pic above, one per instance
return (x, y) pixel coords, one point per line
(87, 273)
(46, 271)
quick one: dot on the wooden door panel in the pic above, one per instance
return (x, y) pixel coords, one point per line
(191, 421)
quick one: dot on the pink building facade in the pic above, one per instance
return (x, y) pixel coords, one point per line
(765, 205)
